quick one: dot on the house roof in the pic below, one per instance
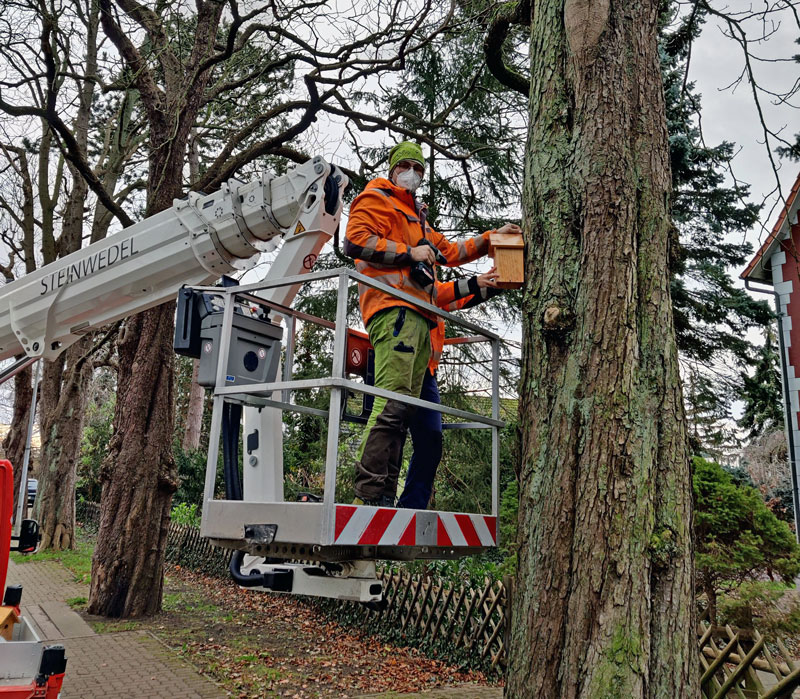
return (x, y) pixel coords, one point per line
(756, 269)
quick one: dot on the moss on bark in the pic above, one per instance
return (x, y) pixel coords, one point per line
(603, 606)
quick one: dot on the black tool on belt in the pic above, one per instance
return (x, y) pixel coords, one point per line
(421, 272)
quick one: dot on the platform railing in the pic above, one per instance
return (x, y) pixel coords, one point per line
(338, 383)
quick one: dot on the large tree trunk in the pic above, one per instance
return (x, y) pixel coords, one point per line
(138, 475)
(65, 380)
(15, 440)
(64, 396)
(64, 384)
(194, 412)
(604, 600)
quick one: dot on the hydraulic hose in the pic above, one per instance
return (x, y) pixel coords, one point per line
(252, 580)
(276, 580)
(231, 426)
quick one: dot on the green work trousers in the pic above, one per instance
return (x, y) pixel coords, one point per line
(402, 342)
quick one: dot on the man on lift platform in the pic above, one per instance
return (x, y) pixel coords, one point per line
(391, 241)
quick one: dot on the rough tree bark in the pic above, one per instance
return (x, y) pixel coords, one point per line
(194, 412)
(63, 403)
(65, 380)
(604, 599)
(14, 442)
(139, 475)
(65, 385)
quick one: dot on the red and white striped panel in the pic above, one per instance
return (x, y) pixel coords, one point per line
(384, 526)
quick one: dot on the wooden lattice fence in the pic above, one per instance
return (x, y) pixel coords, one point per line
(88, 514)
(446, 614)
(462, 620)
(185, 546)
(739, 663)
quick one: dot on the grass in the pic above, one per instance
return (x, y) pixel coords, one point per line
(114, 626)
(77, 560)
(77, 602)
(270, 674)
(172, 601)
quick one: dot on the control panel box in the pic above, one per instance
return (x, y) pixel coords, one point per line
(254, 351)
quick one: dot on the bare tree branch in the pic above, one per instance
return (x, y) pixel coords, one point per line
(510, 13)
(152, 96)
(216, 176)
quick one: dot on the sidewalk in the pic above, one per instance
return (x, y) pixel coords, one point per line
(134, 664)
(130, 664)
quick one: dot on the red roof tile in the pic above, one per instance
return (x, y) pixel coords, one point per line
(775, 230)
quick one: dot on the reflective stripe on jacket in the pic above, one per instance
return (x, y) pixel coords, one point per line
(384, 224)
(453, 296)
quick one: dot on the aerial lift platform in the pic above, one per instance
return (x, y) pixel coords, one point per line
(335, 543)
(317, 548)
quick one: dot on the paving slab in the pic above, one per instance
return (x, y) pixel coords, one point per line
(68, 623)
(45, 580)
(45, 629)
(127, 665)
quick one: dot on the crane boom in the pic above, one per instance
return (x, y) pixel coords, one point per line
(193, 242)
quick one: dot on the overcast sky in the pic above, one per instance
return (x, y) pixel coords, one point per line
(717, 61)
(731, 115)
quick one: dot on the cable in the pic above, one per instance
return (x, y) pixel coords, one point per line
(231, 425)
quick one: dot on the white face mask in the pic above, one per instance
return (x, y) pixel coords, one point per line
(408, 179)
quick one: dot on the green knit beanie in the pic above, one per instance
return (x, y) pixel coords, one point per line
(405, 150)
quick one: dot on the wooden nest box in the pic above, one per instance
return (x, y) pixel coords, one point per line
(507, 249)
(8, 617)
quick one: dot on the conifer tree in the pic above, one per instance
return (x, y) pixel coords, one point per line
(761, 391)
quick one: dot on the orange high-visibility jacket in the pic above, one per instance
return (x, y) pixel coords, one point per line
(384, 224)
(453, 296)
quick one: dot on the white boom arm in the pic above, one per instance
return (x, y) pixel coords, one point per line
(192, 243)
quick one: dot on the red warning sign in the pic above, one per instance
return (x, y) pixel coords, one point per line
(309, 260)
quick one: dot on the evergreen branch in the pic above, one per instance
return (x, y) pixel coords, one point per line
(441, 118)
